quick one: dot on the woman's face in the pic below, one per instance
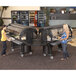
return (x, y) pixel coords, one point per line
(65, 27)
(4, 28)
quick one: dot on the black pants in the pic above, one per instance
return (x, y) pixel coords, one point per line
(47, 49)
(44, 49)
(4, 47)
(50, 49)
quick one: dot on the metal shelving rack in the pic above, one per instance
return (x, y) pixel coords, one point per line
(21, 17)
(15, 16)
(24, 18)
(41, 18)
(29, 18)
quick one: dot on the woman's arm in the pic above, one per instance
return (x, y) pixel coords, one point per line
(67, 33)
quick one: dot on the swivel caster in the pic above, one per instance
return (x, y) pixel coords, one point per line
(30, 53)
(51, 57)
(12, 50)
(22, 55)
(44, 54)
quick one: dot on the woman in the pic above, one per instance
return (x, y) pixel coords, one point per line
(63, 39)
(3, 39)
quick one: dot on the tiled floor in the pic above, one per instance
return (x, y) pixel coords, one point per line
(37, 61)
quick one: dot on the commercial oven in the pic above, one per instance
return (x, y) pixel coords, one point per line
(50, 36)
(27, 36)
(21, 36)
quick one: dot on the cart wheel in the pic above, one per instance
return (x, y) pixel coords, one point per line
(44, 54)
(22, 55)
(12, 50)
(51, 57)
(59, 50)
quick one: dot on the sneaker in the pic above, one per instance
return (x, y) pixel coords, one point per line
(62, 59)
(4, 55)
(67, 58)
(30, 53)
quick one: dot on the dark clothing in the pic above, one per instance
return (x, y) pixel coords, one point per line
(64, 49)
(47, 50)
(50, 49)
(44, 49)
(59, 47)
(4, 47)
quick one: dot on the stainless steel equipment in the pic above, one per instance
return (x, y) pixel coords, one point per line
(49, 36)
(20, 36)
(27, 36)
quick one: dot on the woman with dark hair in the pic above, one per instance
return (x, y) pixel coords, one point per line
(3, 39)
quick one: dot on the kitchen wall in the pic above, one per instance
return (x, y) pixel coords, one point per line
(7, 13)
(72, 23)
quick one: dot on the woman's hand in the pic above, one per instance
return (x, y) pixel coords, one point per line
(9, 39)
(59, 37)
